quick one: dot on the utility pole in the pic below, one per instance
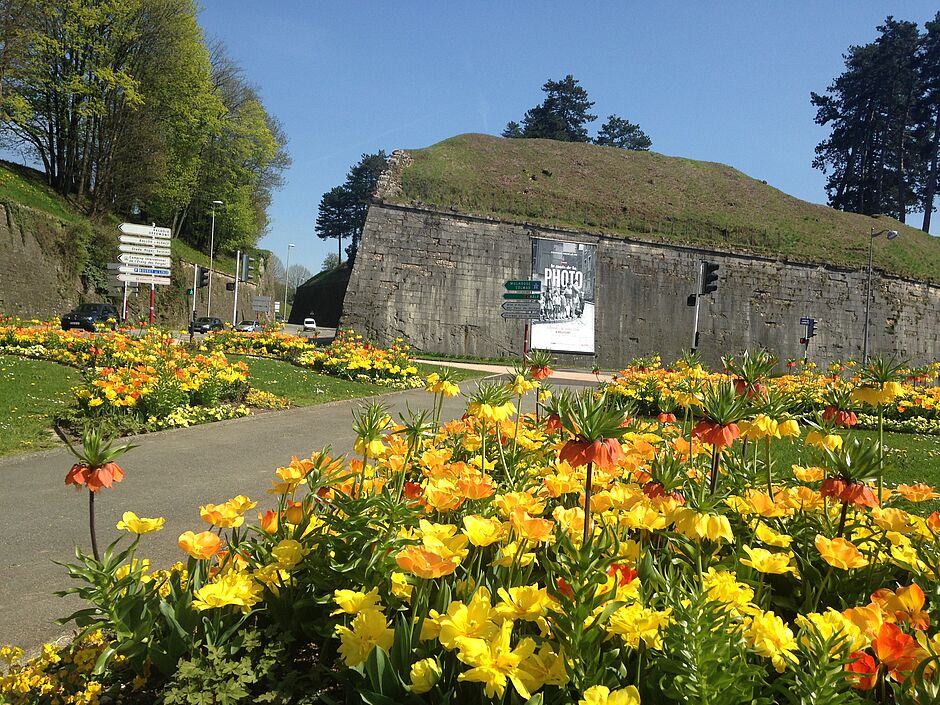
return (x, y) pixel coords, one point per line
(287, 279)
(698, 304)
(211, 256)
(238, 256)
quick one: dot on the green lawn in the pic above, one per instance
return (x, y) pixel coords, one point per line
(910, 458)
(31, 392)
(304, 387)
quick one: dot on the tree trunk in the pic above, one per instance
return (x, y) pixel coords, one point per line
(930, 189)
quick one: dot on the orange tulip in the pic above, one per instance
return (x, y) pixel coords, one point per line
(840, 553)
(419, 561)
(862, 671)
(200, 546)
(933, 521)
(268, 521)
(904, 605)
(900, 652)
(666, 417)
(605, 454)
(531, 528)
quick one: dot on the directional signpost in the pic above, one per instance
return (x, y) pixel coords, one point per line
(144, 258)
(261, 304)
(523, 304)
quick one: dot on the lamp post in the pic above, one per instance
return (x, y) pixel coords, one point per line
(287, 280)
(871, 243)
(211, 256)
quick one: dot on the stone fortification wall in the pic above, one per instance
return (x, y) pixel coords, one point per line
(436, 279)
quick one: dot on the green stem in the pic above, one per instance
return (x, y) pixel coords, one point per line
(588, 482)
(91, 525)
(881, 450)
(770, 474)
(716, 455)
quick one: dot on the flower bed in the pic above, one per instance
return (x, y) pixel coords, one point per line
(349, 356)
(574, 558)
(914, 407)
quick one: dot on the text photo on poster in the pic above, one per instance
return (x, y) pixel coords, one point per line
(568, 299)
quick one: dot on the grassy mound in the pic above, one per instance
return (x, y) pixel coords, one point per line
(652, 197)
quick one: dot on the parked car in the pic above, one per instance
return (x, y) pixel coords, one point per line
(87, 316)
(204, 324)
(310, 323)
(249, 327)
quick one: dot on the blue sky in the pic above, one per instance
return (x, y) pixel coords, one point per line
(725, 82)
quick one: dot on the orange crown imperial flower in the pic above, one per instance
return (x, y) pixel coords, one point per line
(94, 477)
(605, 454)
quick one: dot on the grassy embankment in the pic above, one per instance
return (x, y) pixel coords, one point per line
(651, 197)
(32, 392)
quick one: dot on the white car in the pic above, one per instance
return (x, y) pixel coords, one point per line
(310, 324)
(248, 327)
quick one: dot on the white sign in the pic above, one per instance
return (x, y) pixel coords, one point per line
(148, 271)
(143, 279)
(145, 230)
(145, 241)
(114, 267)
(145, 250)
(262, 299)
(145, 260)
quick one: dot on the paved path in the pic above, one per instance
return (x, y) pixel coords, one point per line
(170, 474)
(559, 376)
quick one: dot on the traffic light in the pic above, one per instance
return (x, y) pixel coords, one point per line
(811, 328)
(247, 268)
(202, 277)
(709, 277)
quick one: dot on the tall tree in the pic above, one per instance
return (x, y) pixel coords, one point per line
(343, 209)
(873, 156)
(928, 69)
(330, 262)
(563, 114)
(334, 218)
(618, 132)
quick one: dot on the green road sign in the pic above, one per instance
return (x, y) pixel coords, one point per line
(523, 285)
(189, 292)
(519, 295)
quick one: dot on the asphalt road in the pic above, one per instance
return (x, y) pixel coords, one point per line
(170, 474)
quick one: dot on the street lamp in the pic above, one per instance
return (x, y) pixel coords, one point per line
(892, 234)
(211, 256)
(287, 279)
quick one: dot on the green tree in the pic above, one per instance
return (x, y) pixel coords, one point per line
(343, 209)
(330, 262)
(618, 132)
(512, 130)
(334, 218)
(928, 71)
(874, 154)
(562, 115)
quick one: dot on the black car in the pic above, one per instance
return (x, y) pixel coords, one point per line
(204, 324)
(88, 316)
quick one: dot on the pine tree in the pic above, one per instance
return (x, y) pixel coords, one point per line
(562, 115)
(618, 132)
(873, 155)
(512, 130)
(928, 69)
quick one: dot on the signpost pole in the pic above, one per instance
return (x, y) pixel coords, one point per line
(238, 256)
(195, 271)
(698, 299)
(124, 303)
(153, 290)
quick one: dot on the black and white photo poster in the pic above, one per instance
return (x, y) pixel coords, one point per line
(567, 301)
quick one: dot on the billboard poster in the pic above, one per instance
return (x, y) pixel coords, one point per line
(566, 307)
